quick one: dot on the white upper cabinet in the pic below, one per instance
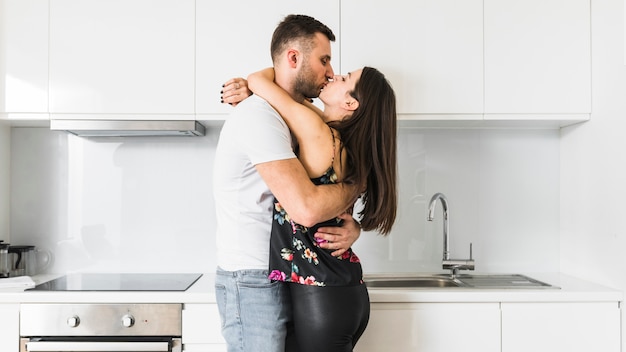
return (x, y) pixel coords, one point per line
(537, 57)
(23, 56)
(122, 57)
(430, 51)
(469, 60)
(233, 40)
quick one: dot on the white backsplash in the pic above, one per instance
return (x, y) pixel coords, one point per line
(146, 205)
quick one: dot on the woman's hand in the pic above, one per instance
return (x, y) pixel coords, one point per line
(235, 91)
(339, 239)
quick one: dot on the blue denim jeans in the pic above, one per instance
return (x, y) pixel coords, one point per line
(255, 312)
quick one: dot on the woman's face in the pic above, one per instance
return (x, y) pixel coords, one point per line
(337, 92)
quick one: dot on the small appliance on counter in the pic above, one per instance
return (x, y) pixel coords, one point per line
(22, 261)
(4, 259)
(120, 282)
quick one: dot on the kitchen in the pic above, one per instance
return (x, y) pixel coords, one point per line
(539, 194)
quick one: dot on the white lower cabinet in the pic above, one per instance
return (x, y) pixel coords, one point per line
(429, 327)
(432, 327)
(9, 327)
(571, 327)
(202, 328)
(484, 327)
(204, 348)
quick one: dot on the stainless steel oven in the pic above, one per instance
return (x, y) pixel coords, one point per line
(100, 327)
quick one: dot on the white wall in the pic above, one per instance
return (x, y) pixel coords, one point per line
(130, 204)
(502, 187)
(145, 204)
(593, 162)
(5, 153)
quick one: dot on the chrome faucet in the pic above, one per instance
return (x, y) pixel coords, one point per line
(449, 264)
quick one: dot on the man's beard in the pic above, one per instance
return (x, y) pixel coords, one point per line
(305, 84)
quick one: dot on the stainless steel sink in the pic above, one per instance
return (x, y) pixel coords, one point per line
(477, 281)
(412, 282)
(506, 281)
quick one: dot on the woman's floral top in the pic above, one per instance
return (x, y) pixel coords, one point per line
(296, 257)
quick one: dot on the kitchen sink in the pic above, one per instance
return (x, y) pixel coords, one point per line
(471, 281)
(409, 282)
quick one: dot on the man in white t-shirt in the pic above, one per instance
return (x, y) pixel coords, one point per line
(254, 163)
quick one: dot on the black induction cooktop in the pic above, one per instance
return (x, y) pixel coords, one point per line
(120, 282)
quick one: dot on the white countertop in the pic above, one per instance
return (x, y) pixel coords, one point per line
(570, 290)
(202, 291)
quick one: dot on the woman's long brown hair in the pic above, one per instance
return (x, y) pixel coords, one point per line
(369, 139)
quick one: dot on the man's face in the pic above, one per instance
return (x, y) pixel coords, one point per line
(316, 69)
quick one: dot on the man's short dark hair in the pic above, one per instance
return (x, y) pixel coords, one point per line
(297, 28)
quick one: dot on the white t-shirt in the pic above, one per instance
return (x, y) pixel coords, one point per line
(254, 133)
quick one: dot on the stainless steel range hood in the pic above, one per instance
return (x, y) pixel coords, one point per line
(129, 128)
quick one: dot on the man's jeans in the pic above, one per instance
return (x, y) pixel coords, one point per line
(255, 312)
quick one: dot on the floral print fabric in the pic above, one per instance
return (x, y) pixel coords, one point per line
(295, 255)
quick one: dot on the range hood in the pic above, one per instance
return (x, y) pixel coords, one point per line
(129, 128)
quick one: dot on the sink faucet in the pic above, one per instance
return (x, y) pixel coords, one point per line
(449, 264)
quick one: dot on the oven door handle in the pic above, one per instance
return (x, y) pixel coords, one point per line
(94, 346)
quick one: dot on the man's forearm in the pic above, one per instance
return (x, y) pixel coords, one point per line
(318, 204)
(306, 203)
(328, 201)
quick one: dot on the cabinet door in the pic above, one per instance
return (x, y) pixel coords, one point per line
(202, 326)
(537, 56)
(9, 327)
(572, 327)
(431, 51)
(205, 348)
(122, 56)
(432, 327)
(233, 40)
(24, 56)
